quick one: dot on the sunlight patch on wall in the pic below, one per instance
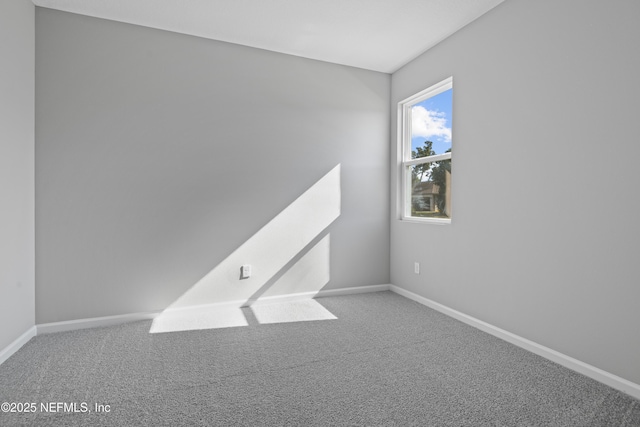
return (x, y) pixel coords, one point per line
(268, 251)
(307, 276)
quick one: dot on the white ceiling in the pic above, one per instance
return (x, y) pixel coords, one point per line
(380, 35)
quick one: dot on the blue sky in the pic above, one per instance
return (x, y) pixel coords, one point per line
(431, 120)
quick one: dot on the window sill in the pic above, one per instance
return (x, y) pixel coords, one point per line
(437, 221)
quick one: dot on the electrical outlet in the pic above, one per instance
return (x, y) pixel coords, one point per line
(416, 267)
(245, 271)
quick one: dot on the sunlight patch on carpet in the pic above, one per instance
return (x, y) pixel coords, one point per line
(291, 311)
(198, 318)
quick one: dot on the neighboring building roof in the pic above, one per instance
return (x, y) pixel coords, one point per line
(426, 188)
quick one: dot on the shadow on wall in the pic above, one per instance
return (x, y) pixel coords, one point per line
(289, 255)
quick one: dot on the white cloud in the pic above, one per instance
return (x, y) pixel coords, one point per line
(429, 124)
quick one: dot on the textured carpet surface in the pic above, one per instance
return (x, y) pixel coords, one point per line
(385, 360)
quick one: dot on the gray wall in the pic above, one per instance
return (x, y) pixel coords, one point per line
(545, 233)
(159, 154)
(16, 169)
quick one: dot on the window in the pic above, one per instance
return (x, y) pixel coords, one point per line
(424, 135)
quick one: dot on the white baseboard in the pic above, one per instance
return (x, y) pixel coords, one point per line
(590, 371)
(8, 351)
(352, 291)
(94, 322)
(321, 294)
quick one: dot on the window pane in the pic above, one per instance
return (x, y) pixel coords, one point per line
(431, 126)
(431, 189)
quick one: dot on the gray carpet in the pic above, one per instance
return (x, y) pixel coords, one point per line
(386, 360)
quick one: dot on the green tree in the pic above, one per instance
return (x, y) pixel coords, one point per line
(421, 172)
(439, 178)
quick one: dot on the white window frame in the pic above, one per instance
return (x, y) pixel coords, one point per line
(404, 140)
